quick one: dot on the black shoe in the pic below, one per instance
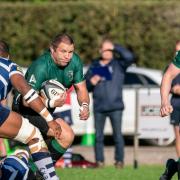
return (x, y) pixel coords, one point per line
(171, 169)
(178, 170)
(39, 176)
(99, 164)
(119, 165)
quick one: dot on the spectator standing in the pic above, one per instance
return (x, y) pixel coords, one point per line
(105, 78)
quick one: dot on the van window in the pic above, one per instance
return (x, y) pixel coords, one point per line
(132, 79)
(138, 79)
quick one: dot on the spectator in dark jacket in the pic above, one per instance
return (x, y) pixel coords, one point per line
(105, 78)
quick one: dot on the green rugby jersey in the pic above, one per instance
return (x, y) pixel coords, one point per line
(176, 60)
(44, 69)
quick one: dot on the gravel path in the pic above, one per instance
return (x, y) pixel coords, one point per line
(145, 154)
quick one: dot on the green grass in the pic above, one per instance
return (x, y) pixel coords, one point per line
(110, 173)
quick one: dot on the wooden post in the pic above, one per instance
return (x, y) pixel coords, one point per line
(136, 134)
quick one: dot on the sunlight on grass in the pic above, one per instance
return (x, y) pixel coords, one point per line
(110, 173)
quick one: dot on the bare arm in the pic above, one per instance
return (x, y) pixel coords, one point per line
(22, 86)
(82, 93)
(83, 98)
(169, 75)
(36, 104)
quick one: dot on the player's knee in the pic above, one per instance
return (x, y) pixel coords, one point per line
(68, 139)
(29, 134)
(67, 135)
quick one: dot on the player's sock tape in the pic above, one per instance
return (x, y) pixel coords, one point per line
(57, 146)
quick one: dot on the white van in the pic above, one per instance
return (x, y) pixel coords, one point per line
(141, 96)
(142, 85)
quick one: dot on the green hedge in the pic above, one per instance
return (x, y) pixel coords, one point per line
(150, 28)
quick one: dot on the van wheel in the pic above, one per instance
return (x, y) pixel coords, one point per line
(162, 142)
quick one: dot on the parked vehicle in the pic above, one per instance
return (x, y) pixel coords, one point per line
(141, 96)
(146, 82)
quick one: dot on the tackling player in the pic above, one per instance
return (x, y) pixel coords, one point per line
(14, 126)
(16, 167)
(61, 63)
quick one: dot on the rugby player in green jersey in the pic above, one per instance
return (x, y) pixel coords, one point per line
(172, 71)
(61, 63)
(166, 109)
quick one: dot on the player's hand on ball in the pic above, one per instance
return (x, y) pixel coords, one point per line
(56, 128)
(84, 112)
(54, 93)
(60, 100)
(166, 109)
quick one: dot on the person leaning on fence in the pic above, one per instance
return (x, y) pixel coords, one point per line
(59, 62)
(105, 78)
(171, 164)
(14, 126)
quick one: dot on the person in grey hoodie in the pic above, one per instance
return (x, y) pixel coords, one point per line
(105, 78)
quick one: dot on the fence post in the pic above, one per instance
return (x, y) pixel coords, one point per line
(136, 134)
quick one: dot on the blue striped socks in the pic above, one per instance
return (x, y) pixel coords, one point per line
(45, 165)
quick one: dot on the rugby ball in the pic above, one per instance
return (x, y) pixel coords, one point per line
(51, 89)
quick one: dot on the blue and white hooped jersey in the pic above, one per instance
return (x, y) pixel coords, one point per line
(7, 69)
(14, 168)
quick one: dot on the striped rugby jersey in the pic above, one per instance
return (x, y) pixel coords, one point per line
(7, 69)
(14, 168)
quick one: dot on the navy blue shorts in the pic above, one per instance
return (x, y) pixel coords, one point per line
(175, 117)
(4, 113)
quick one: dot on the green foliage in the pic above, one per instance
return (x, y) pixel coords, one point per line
(151, 28)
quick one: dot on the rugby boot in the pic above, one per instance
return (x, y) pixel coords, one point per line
(171, 169)
(178, 170)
